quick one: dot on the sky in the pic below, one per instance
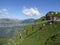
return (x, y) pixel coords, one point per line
(25, 9)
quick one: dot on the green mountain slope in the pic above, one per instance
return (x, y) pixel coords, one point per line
(42, 35)
(38, 35)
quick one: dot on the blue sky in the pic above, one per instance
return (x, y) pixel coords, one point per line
(23, 9)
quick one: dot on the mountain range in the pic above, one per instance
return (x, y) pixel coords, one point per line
(8, 27)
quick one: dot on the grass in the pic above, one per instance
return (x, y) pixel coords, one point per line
(47, 35)
(40, 36)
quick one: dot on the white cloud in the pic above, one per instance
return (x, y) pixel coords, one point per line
(31, 11)
(4, 11)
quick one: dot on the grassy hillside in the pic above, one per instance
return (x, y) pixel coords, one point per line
(47, 35)
(40, 36)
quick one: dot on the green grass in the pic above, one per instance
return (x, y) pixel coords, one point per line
(41, 36)
(48, 35)
(53, 40)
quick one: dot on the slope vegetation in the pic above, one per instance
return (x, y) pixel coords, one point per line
(38, 35)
